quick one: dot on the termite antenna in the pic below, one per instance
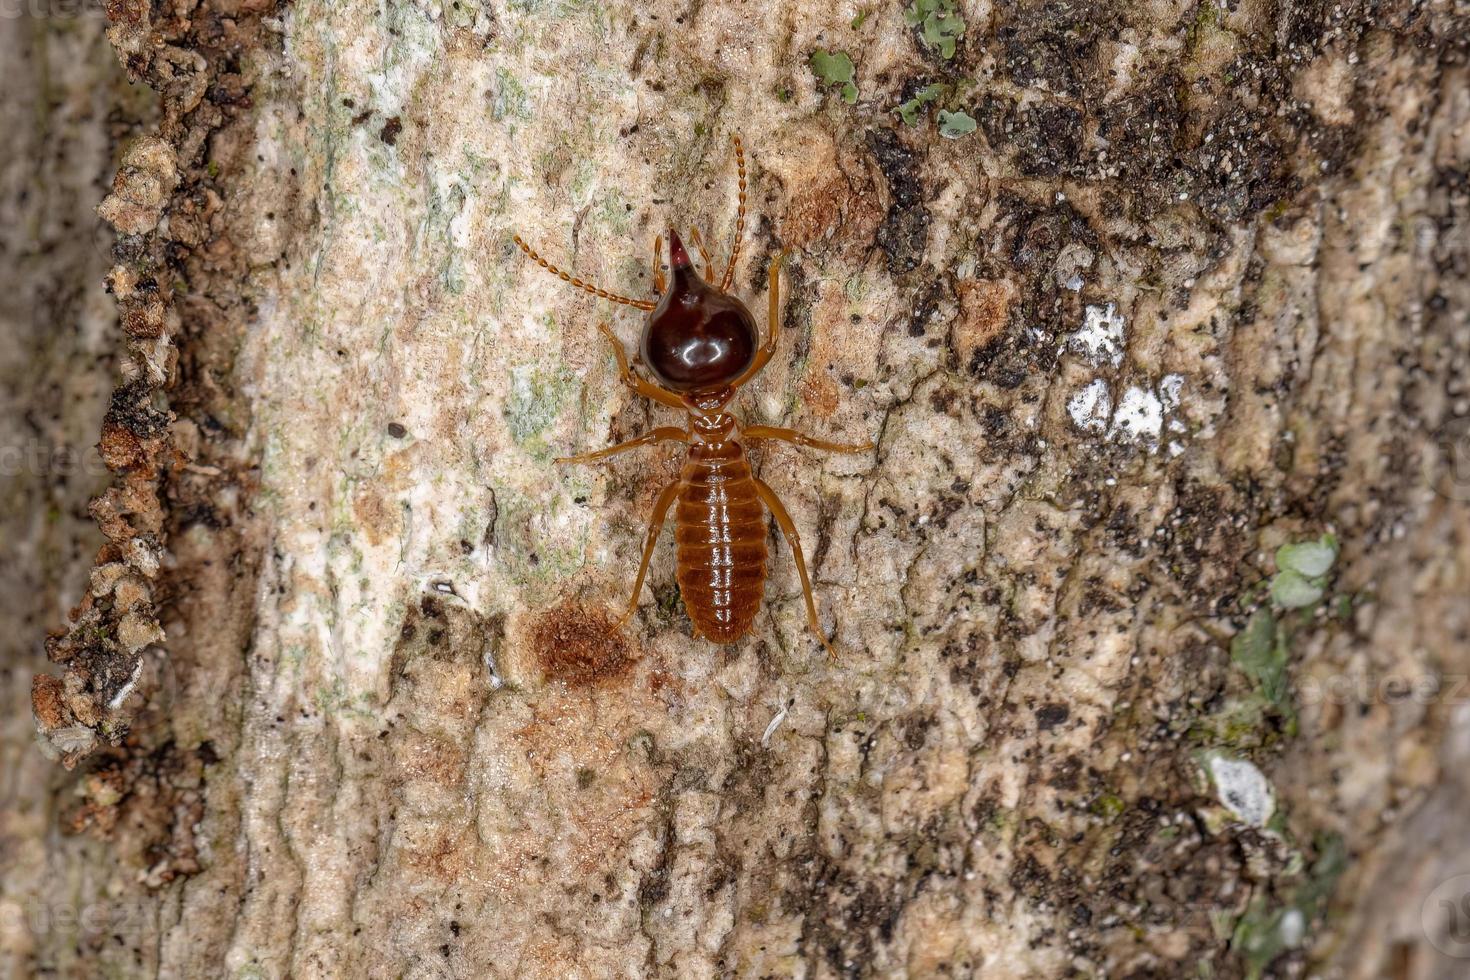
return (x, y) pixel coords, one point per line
(729, 276)
(588, 287)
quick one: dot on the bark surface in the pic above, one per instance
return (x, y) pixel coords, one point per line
(1128, 296)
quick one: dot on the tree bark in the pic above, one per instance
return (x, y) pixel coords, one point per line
(1127, 297)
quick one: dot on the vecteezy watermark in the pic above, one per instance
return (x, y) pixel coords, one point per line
(49, 9)
(48, 918)
(1445, 917)
(1447, 460)
(36, 457)
(1346, 689)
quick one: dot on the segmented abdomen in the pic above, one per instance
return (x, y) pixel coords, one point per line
(720, 527)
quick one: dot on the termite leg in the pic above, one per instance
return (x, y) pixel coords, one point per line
(729, 275)
(709, 263)
(802, 439)
(788, 528)
(660, 512)
(645, 388)
(664, 433)
(658, 264)
(773, 323)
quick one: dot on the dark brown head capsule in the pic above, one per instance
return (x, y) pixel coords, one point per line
(697, 338)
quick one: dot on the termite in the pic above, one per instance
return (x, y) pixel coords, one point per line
(702, 344)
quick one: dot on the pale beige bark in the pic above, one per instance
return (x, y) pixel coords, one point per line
(1194, 287)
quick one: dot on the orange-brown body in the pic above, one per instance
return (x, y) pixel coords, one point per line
(720, 529)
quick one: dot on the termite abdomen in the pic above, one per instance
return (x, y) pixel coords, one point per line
(720, 527)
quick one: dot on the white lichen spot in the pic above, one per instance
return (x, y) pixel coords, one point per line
(1091, 407)
(1101, 337)
(142, 557)
(1169, 387)
(1243, 790)
(1071, 263)
(1139, 418)
(1293, 928)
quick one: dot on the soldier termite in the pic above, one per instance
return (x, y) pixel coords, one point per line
(701, 344)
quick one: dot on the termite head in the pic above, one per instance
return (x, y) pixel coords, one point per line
(697, 339)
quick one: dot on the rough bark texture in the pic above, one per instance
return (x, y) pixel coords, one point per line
(1128, 296)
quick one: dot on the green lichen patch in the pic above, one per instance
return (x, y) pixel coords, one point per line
(1260, 651)
(1301, 577)
(939, 24)
(1108, 806)
(508, 98)
(1266, 931)
(953, 125)
(1291, 590)
(836, 70)
(534, 401)
(1308, 558)
(909, 111)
